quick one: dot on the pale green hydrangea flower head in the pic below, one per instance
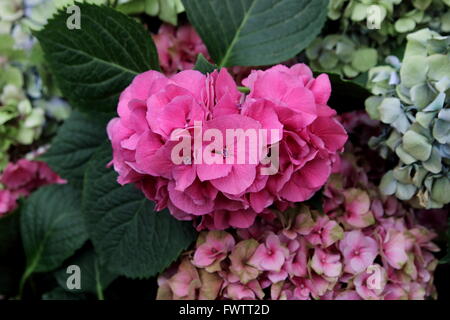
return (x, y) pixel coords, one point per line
(20, 122)
(395, 16)
(413, 100)
(395, 19)
(166, 10)
(27, 94)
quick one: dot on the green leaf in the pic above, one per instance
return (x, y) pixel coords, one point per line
(203, 65)
(95, 277)
(52, 228)
(256, 32)
(76, 141)
(92, 65)
(347, 95)
(130, 237)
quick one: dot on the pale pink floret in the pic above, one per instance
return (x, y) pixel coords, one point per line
(357, 208)
(326, 263)
(297, 264)
(347, 295)
(359, 251)
(216, 247)
(184, 283)
(249, 291)
(325, 232)
(394, 249)
(271, 255)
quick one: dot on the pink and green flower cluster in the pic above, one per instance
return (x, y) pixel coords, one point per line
(363, 246)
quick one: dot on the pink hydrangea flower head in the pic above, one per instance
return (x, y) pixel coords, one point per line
(294, 269)
(391, 258)
(157, 114)
(25, 176)
(178, 47)
(21, 178)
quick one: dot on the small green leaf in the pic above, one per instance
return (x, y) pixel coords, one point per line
(347, 95)
(92, 65)
(203, 65)
(129, 236)
(256, 32)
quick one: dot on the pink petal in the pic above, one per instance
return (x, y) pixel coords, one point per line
(321, 88)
